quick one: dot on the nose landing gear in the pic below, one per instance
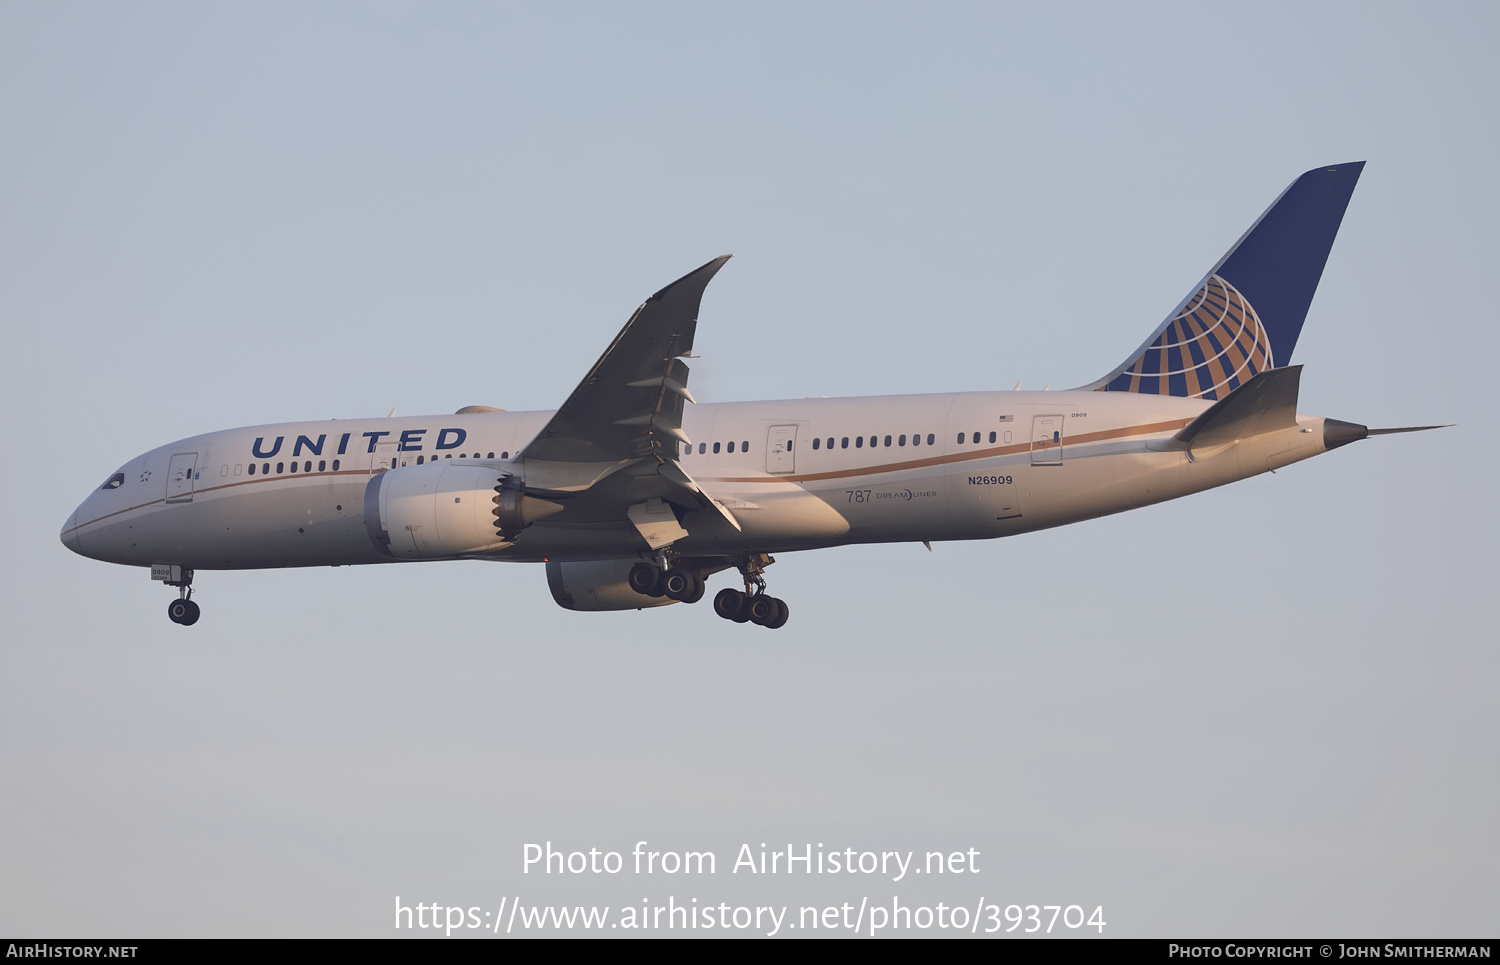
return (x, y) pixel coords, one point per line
(183, 610)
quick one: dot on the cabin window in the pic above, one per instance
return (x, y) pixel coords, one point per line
(976, 437)
(252, 469)
(335, 465)
(816, 442)
(731, 445)
(280, 468)
(294, 467)
(859, 442)
(931, 440)
(845, 443)
(902, 440)
(992, 436)
(716, 448)
(745, 446)
(114, 482)
(960, 438)
(887, 442)
(322, 464)
(265, 469)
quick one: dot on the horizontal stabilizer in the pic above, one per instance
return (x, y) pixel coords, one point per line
(1265, 403)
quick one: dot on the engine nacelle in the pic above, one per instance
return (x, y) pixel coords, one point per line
(442, 510)
(597, 585)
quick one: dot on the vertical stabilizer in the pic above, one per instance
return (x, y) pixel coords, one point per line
(1245, 315)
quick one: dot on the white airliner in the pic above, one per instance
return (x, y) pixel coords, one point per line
(633, 494)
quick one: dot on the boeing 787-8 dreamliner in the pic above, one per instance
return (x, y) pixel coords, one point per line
(632, 494)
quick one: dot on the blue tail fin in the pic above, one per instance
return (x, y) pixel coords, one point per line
(1246, 314)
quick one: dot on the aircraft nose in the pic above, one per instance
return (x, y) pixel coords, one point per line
(69, 534)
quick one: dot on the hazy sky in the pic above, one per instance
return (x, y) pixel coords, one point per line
(1265, 710)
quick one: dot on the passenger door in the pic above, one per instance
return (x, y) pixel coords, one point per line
(1046, 440)
(781, 444)
(180, 475)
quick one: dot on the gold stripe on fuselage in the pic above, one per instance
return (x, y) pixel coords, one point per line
(956, 457)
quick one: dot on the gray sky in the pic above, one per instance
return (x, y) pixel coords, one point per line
(1264, 710)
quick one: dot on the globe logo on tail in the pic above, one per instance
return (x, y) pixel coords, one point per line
(1207, 350)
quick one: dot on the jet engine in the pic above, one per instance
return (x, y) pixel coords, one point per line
(597, 585)
(442, 510)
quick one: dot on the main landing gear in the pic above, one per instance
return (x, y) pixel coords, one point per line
(182, 610)
(754, 605)
(761, 609)
(676, 582)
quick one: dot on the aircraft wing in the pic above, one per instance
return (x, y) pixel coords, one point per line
(616, 437)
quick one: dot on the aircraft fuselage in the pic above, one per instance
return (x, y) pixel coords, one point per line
(796, 474)
(634, 494)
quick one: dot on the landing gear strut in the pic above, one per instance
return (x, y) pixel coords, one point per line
(182, 610)
(754, 605)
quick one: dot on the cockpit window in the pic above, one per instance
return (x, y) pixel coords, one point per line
(114, 482)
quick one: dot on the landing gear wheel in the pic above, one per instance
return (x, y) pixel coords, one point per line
(782, 615)
(767, 611)
(645, 579)
(679, 584)
(699, 588)
(183, 612)
(731, 604)
(764, 609)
